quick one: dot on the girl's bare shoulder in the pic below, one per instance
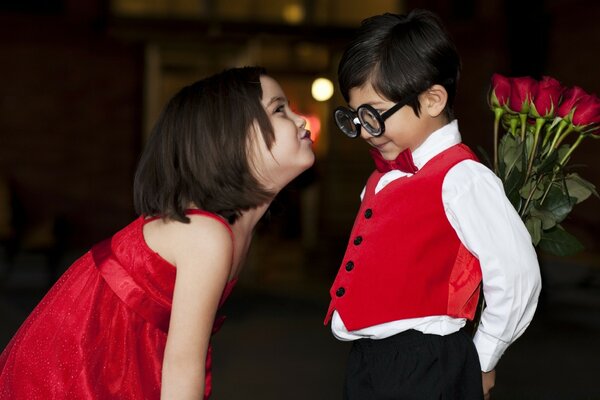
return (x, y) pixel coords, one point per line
(176, 241)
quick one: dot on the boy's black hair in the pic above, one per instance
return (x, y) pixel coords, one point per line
(198, 151)
(400, 56)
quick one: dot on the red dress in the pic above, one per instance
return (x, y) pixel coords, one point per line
(100, 332)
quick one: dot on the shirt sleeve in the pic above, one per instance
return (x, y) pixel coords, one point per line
(490, 228)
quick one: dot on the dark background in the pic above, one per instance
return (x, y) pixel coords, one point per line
(82, 82)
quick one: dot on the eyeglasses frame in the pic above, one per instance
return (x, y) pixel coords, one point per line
(381, 117)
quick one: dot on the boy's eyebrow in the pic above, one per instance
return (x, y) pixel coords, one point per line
(376, 103)
(372, 104)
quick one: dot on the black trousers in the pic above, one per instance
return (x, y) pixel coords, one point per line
(412, 365)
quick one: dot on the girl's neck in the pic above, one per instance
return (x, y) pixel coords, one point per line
(243, 229)
(249, 218)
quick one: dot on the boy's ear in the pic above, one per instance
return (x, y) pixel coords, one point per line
(434, 100)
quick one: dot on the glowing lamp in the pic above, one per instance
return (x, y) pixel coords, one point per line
(322, 89)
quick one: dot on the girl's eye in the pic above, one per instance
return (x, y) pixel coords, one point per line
(280, 108)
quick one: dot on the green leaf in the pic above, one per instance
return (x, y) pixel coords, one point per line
(546, 147)
(530, 186)
(562, 151)
(534, 226)
(501, 163)
(547, 165)
(522, 163)
(558, 202)
(546, 217)
(501, 167)
(511, 186)
(528, 143)
(510, 154)
(580, 188)
(559, 242)
(485, 157)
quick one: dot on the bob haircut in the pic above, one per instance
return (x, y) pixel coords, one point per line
(198, 151)
(401, 56)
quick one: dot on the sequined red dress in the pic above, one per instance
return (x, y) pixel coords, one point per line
(100, 332)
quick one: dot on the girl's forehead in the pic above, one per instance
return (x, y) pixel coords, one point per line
(269, 84)
(270, 88)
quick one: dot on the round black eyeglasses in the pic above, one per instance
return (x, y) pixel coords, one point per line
(366, 116)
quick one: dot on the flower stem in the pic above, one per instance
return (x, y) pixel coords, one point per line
(556, 169)
(523, 118)
(523, 211)
(513, 126)
(572, 149)
(550, 131)
(563, 136)
(498, 114)
(539, 122)
(561, 125)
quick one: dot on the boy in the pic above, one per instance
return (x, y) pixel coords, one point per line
(434, 225)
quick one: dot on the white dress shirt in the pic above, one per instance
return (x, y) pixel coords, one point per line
(490, 228)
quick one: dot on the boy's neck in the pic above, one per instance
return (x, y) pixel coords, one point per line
(433, 124)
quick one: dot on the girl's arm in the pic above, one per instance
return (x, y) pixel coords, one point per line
(202, 251)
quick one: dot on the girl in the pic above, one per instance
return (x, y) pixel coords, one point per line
(219, 153)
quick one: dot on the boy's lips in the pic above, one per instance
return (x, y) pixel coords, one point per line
(378, 146)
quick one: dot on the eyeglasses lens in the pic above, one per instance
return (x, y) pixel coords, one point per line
(369, 121)
(345, 122)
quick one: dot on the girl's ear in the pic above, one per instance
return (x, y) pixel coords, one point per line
(434, 100)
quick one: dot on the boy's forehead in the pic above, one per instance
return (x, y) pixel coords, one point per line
(364, 94)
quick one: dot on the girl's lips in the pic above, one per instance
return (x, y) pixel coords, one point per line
(306, 136)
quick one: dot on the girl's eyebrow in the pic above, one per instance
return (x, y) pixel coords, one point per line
(277, 98)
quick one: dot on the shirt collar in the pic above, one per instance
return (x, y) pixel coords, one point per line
(438, 141)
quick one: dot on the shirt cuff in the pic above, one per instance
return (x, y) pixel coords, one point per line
(489, 349)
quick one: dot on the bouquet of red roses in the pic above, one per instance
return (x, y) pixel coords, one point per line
(544, 123)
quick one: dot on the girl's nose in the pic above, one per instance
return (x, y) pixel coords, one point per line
(300, 121)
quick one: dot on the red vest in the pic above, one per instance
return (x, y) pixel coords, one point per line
(404, 259)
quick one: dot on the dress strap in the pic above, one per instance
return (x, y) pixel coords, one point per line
(196, 211)
(217, 217)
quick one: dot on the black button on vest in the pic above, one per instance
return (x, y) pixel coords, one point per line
(368, 213)
(349, 266)
(358, 240)
(340, 292)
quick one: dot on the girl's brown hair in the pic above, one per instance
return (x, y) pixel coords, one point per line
(197, 153)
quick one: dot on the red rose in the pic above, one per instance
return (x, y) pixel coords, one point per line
(500, 90)
(587, 111)
(521, 94)
(546, 98)
(570, 99)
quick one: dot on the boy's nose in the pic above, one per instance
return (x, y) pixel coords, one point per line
(364, 134)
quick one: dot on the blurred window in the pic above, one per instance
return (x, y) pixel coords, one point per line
(293, 12)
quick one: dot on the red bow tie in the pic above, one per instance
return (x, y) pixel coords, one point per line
(404, 162)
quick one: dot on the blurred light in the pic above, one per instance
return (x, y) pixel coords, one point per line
(322, 89)
(313, 124)
(293, 13)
